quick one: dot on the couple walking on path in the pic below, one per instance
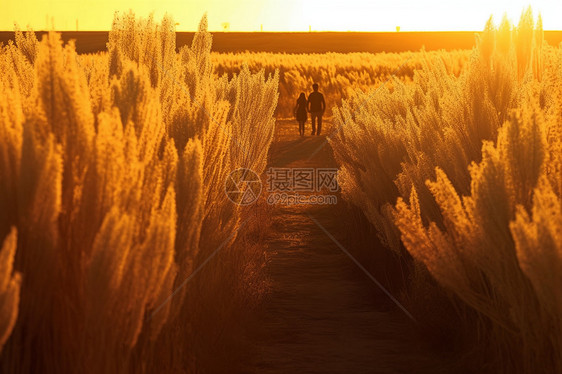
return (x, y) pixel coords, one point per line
(315, 105)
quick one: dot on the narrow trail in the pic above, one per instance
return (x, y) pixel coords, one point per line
(324, 315)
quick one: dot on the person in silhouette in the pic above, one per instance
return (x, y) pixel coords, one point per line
(300, 112)
(316, 107)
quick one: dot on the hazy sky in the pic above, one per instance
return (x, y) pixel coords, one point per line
(280, 15)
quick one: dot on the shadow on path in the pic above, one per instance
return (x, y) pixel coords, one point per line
(323, 314)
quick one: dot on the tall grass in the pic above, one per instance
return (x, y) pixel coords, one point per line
(9, 288)
(112, 173)
(339, 74)
(463, 172)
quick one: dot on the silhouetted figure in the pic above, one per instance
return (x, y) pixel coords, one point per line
(300, 112)
(316, 107)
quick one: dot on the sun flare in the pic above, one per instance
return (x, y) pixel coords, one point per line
(288, 15)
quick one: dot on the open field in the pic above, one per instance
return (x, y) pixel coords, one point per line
(338, 74)
(160, 213)
(314, 42)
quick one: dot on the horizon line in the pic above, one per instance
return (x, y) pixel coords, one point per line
(283, 32)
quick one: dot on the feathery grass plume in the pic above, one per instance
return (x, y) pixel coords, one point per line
(430, 246)
(27, 44)
(189, 203)
(225, 114)
(139, 107)
(253, 99)
(539, 249)
(141, 191)
(487, 41)
(59, 81)
(64, 111)
(106, 270)
(15, 65)
(10, 284)
(38, 199)
(524, 41)
(552, 89)
(11, 118)
(476, 241)
(142, 41)
(538, 49)
(220, 216)
(191, 107)
(201, 50)
(504, 36)
(96, 71)
(38, 202)
(197, 112)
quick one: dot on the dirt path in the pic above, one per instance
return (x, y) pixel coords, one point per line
(324, 315)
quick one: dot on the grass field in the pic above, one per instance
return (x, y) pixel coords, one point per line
(142, 228)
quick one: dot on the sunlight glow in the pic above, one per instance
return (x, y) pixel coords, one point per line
(286, 15)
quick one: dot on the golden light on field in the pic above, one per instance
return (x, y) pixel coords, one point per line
(159, 212)
(274, 15)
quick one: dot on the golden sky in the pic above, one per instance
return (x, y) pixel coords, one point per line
(280, 15)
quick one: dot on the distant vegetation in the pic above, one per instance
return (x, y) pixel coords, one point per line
(338, 74)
